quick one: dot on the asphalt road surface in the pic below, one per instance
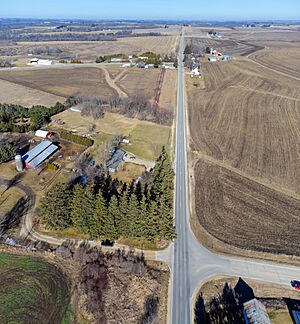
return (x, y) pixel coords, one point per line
(191, 263)
(181, 270)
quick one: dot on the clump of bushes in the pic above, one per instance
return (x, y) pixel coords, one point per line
(52, 166)
(76, 138)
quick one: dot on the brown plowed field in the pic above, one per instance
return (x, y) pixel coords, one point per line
(244, 213)
(139, 81)
(245, 130)
(284, 59)
(249, 123)
(157, 44)
(62, 82)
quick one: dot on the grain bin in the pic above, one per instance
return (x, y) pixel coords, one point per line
(19, 163)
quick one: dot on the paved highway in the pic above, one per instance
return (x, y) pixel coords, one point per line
(181, 269)
(191, 263)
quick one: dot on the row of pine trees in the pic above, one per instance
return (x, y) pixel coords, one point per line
(132, 212)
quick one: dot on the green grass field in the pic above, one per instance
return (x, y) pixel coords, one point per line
(146, 138)
(32, 291)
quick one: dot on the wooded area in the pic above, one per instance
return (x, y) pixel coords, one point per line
(135, 106)
(19, 119)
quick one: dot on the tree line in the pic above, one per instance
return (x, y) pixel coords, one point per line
(30, 119)
(106, 211)
(18, 35)
(135, 106)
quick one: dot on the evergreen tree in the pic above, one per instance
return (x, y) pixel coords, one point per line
(116, 215)
(123, 227)
(133, 217)
(161, 193)
(139, 191)
(55, 207)
(102, 223)
(82, 207)
(152, 222)
(142, 218)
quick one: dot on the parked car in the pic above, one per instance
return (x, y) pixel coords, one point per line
(295, 284)
(108, 243)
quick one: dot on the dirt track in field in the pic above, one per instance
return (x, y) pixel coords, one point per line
(245, 133)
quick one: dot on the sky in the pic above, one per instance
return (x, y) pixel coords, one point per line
(153, 9)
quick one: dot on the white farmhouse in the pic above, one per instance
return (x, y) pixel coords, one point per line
(195, 72)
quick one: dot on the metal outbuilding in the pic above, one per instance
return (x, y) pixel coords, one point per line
(39, 154)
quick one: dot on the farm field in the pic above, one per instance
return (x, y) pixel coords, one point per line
(274, 58)
(13, 93)
(136, 81)
(168, 96)
(157, 44)
(268, 220)
(87, 51)
(139, 81)
(56, 50)
(62, 81)
(146, 138)
(45, 295)
(245, 134)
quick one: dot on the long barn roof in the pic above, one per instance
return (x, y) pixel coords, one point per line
(39, 153)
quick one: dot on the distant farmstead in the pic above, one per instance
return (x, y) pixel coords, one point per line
(37, 61)
(39, 154)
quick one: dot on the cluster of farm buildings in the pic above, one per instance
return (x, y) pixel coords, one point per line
(215, 56)
(42, 152)
(128, 62)
(140, 63)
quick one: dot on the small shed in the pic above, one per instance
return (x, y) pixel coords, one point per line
(149, 66)
(141, 65)
(226, 58)
(168, 65)
(43, 133)
(212, 59)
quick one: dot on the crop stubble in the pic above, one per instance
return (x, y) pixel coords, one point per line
(247, 120)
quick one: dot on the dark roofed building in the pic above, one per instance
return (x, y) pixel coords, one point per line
(115, 160)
